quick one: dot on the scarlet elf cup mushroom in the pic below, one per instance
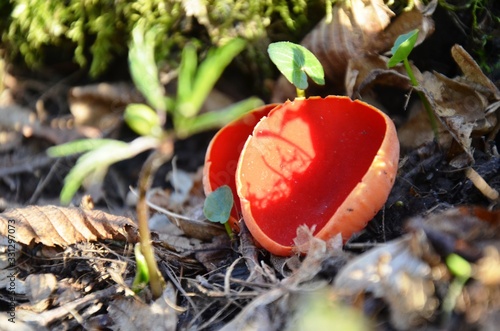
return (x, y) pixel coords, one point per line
(328, 163)
(223, 152)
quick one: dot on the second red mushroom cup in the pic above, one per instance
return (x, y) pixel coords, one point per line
(327, 163)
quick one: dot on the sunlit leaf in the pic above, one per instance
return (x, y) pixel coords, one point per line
(218, 205)
(76, 146)
(143, 65)
(93, 165)
(209, 71)
(402, 47)
(216, 119)
(187, 72)
(142, 119)
(296, 62)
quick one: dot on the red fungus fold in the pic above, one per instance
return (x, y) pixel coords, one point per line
(223, 152)
(328, 163)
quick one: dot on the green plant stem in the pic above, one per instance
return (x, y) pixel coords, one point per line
(424, 100)
(154, 161)
(450, 301)
(229, 230)
(300, 93)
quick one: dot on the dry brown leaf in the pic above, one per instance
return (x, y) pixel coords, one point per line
(366, 71)
(473, 233)
(417, 130)
(396, 273)
(487, 269)
(39, 288)
(465, 106)
(23, 120)
(7, 276)
(472, 72)
(131, 314)
(279, 299)
(460, 108)
(61, 226)
(101, 105)
(464, 230)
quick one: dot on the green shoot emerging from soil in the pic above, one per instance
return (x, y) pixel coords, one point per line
(400, 51)
(462, 271)
(296, 63)
(218, 205)
(141, 279)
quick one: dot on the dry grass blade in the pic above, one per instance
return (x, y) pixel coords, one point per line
(59, 226)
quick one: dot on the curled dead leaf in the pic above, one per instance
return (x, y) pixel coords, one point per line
(60, 226)
(466, 107)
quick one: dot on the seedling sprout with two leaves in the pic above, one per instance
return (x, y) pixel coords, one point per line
(402, 48)
(296, 63)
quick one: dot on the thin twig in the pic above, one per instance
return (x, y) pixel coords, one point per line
(481, 185)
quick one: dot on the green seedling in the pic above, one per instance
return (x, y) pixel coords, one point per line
(148, 120)
(141, 279)
(462, 271)
(296, 63)
(218, 205)
(194, 84)
(402, 48)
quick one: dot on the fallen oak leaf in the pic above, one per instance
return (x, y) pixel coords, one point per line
(63, 226)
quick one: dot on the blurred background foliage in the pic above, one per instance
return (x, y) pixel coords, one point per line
(93, 33)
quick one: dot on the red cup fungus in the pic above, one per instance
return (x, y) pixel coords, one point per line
(328, 163)
(223, 152)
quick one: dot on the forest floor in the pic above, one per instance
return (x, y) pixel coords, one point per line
(430, 259)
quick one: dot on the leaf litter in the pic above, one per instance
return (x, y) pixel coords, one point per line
(75, 264)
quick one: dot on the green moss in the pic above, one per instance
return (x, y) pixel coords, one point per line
(98, 31)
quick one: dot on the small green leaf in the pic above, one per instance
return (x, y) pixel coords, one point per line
(402, 47)
(218, 205)
(142, 119)
(76, 146)
(294, 62)
(209, 71)
(143, 67)
(93, 165)
(216, 119)
(187, 73)
(459, 266)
